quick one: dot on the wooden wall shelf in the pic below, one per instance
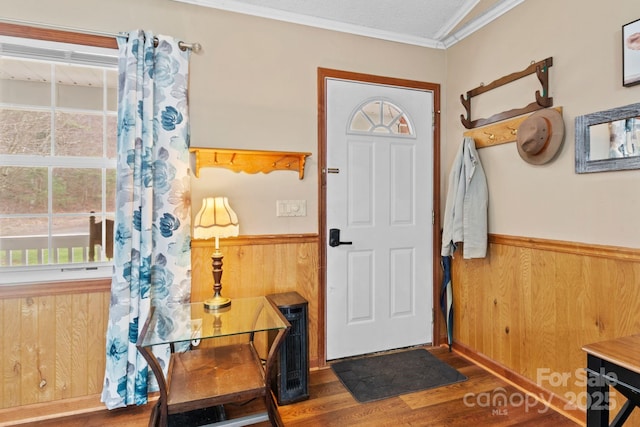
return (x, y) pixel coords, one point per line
(249, 161)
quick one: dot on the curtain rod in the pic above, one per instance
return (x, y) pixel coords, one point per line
(194, 47)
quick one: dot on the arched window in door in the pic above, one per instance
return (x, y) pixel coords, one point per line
(380, 116)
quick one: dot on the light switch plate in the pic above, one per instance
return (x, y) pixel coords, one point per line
(291, 208)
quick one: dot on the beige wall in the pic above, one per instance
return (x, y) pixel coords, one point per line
(253, 87)
(549, 201)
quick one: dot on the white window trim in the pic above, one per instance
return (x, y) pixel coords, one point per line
(69, 54)
(55, 273)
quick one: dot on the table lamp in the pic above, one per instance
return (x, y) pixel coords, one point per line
(216, 219)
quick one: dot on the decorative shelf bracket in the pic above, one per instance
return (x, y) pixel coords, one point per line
(249, 161)
(543, 100)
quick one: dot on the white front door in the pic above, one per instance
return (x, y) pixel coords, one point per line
(379, 193)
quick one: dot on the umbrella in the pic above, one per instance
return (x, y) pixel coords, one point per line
(446, 298)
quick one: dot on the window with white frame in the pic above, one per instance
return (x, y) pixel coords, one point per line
(380, 116)
(58, 127)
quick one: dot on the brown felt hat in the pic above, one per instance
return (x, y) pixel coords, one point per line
(540, 136)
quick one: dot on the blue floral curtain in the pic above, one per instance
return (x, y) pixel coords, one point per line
(152, 260)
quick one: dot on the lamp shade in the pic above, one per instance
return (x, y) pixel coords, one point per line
(215, 219)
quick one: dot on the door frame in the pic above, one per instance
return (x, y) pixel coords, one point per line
(323, 74)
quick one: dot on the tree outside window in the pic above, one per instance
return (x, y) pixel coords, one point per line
(57, 153)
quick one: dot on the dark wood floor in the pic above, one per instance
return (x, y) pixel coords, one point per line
(463, 404)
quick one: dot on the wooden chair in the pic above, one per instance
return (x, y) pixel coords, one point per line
(95, 237)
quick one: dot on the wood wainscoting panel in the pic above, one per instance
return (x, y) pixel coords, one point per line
(47, 346)
(79, 371)
(11, 351)
(532, 304)
(63, 333)
(97, 321)
(52, 339)
(52, 347)
(262, 265)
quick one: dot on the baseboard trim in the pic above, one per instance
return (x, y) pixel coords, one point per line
(558, 403)
(45, 411)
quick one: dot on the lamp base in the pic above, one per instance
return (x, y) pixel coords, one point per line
(217, 302)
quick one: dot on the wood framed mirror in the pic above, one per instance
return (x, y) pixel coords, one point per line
(608, 140)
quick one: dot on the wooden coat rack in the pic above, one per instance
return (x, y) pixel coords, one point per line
(543, 100)
(498, 133)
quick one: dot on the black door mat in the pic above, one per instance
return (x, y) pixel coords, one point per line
(386, 375)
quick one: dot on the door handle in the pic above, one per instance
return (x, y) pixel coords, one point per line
(334, 238)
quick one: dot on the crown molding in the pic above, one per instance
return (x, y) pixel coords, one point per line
(295, 18)
(485, 18)
(455, 20)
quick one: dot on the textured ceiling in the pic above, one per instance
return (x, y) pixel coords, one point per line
(430, 23)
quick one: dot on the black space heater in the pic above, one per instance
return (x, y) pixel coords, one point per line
(290, 378)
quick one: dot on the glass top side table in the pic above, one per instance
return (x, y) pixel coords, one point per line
(206, 377)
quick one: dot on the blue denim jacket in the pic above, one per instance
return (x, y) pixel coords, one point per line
(465, 214)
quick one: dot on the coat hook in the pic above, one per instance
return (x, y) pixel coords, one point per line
(491, 136)
(513, 131)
